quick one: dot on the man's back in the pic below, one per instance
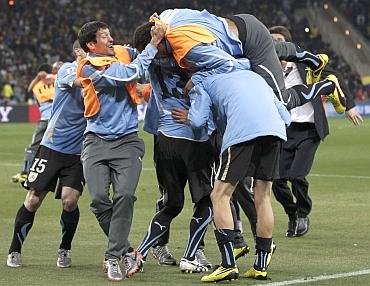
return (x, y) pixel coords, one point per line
(227, 41)
(244, 106)
(168, 84)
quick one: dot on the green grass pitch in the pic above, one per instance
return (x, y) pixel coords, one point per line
(338, 242)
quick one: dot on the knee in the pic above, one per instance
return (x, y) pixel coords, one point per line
(69, 204)
(171, 211)
(218, 196)
(128, 198)
(32, 201)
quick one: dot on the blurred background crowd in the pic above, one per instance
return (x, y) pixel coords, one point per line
(34, 32)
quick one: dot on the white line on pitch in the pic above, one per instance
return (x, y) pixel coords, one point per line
(317, 278)
(339, 176)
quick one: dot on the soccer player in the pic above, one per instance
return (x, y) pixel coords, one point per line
(309, 126)
(58, 157)
(252, 122)
(181, 155)
(42, 87)
(196, 39)
(112, 149)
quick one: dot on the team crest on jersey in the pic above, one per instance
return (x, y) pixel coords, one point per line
(32, 176)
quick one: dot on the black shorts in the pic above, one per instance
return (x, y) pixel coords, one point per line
(257, 158)
(48, 166)
(179, 161)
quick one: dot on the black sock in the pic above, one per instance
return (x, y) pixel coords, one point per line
(225, 238)
(22, 225)
(69, 222)
(263, 248)
(198, 226)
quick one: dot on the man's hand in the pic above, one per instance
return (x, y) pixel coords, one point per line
(42, 75)
(180, 115)
(157, 32)
(189, 85)
(354, 116)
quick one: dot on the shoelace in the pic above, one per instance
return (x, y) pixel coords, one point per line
(114, 267)
(163, 251)
(63, 256)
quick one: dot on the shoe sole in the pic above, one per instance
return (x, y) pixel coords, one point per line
(167, 264)
(13, 266)
(231, 277)
(185, 271)
(64, 266)
(114, 280)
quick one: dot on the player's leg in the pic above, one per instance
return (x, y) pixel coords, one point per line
(31, 151)
(200, 220)
(171, 172)
(198, 158)
(308, 144)
(260, 49)
(265, 160)
(245, 199)
(71, 186)
(41, 179)
(280, 187)
(22, 225)
(125, 162)
(233, 166)
(265, 225)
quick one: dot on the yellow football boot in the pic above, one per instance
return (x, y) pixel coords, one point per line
(337, 97)
(222, 274)
(314, 76)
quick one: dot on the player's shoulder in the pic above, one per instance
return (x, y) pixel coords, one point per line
(67, 68)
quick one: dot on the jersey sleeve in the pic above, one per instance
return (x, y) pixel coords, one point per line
(200, 107)
(66, 75)
(118, 74)
(210, 59)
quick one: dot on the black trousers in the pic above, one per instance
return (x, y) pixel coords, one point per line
(297, 156)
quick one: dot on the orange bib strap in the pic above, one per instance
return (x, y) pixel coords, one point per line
(183, 38)
(91, 100)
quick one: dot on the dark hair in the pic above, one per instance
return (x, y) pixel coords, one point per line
(142, 35)
(282, 30)
(44, 67)
(88, 32)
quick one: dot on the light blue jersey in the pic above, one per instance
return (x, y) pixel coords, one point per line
(151, 119)
(243, 105)
(214, 58)
(67, 124)
(45, 110)
(168, 81)
(226, 40)
(117, 116)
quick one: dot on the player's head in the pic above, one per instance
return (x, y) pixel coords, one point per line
(94, 37)
(142, 37)
(77, 51)
(56, 66)
(44, 67)
(280, 33)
